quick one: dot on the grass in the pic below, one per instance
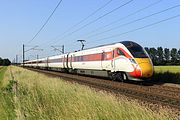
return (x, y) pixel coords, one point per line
(172, 69)
(2, 110)
(2, 71)
(41, 97)
(6, 99)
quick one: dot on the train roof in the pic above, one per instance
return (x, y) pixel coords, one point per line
(122, 42)
(125, 43)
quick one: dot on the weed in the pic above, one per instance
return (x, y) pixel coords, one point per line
(41, 97)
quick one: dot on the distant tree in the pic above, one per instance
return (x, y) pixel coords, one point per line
(6, 62)
(147, 50)
(166, 54)
(178, 55)
(173, 55)
(160, 56)
(153, 55)
(1, 61)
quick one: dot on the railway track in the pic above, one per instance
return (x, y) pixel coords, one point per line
(157, 94)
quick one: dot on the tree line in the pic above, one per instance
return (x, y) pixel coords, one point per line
(164, 56)
(4, 62)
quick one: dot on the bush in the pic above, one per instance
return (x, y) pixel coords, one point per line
(166, 77)
(4, 62)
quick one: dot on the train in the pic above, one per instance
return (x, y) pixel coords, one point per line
(119, 61)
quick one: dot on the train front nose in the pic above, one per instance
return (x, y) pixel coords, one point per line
(145, 66)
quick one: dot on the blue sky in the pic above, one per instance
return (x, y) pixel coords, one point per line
(21, 19)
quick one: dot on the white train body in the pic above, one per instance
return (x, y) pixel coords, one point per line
(115, 60)
(100, 59)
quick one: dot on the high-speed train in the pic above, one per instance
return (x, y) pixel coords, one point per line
(124, 60)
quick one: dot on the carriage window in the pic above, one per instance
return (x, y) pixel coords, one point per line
(71, 59)
(74, 58)
(103, 56)
(79, 58)
(119, 52)
(113, 54)
(82, 58)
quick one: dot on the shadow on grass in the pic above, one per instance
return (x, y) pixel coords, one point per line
(166, 77)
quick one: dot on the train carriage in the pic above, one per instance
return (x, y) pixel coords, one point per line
(56, 62)
(119, 61)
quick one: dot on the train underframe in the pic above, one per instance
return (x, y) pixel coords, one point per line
(116, 76)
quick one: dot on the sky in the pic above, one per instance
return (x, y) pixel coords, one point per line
(151, 23)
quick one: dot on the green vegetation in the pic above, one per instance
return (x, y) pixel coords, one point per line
(39, 97)
(172, 69)
(4, 62)
(6, 99)
(2, 71)
(167, 74)
(164, 56)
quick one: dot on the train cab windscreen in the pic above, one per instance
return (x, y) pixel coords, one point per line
(136, 50)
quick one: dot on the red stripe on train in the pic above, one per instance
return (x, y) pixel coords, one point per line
(136, 72)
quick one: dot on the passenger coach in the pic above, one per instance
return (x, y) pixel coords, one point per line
(118, 61)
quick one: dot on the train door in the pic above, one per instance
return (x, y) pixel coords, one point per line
(64, 59)
(47, 62)
(103, 58)
(67, 60)
(63, 62)
(113, 61)
(119, 63)
(106, 60)
(71, 61)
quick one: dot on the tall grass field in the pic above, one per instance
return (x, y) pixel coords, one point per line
(6, 99)
(39, 97)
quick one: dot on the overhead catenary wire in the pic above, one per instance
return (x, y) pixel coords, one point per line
(93, 21)
(92, 14)
(122, 18)
(45, 22)
(136, 20)
(136, 29)
(81, 21)
(89, 16)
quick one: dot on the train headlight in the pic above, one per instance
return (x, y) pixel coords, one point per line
(132, 61)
